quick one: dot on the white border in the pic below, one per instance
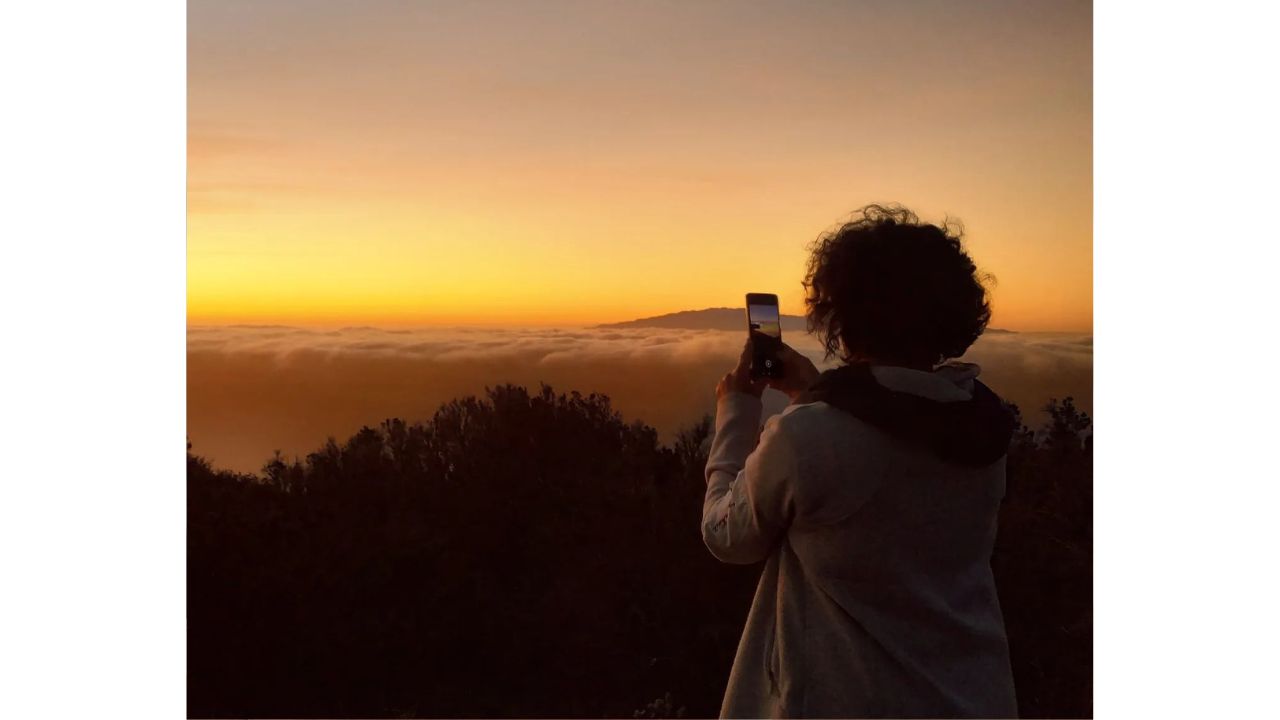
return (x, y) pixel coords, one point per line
(1185, 485)
(92, 522)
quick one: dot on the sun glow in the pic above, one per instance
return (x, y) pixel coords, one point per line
(497, 164)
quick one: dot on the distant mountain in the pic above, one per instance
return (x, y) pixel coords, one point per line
(716, 319)
(709, 319)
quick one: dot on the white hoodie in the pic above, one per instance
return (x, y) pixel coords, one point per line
(877, 598)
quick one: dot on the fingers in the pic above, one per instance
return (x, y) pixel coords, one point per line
(793, 358)
(725, 383)
(739, 378)
(743, 368)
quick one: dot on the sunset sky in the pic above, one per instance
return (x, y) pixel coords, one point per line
(562, 163)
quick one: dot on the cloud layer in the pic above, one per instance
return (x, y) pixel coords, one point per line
(256, 389)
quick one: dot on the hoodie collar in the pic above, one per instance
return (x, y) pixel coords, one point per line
(947, 412)
(952, 382)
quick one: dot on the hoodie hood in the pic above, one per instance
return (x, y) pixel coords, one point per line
(947, 412)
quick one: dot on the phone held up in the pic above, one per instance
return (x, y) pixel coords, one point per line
(764, 326)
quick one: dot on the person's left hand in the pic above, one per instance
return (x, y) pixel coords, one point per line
(798, 373)
(739, 379)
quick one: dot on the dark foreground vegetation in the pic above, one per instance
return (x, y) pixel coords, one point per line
(532, 554)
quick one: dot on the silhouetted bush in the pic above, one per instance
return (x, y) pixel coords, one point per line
(1043, 564)
(532, 554)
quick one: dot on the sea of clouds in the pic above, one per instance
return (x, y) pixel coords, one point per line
(253, 390)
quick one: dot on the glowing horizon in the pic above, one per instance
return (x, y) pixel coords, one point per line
(508, 164)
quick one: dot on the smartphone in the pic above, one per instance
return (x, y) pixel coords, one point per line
(764, 326)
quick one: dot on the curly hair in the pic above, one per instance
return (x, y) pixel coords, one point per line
(887, 288)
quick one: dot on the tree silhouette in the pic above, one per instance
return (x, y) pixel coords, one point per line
(1043, 564)
(533, 554)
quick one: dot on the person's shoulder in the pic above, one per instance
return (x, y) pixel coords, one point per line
(830, 449)
(809, 414)
(820, 428)
(805, 423)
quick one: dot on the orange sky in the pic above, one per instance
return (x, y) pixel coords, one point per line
(576, 162)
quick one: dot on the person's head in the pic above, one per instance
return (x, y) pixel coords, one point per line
(889, 289)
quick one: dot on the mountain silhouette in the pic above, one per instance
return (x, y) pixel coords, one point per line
(721, 318)
(709, 319)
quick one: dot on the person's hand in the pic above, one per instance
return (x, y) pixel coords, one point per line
(739, 378)
(798, 373)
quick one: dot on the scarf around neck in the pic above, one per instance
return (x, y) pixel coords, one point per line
(973, 432)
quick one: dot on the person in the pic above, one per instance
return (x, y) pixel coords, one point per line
(872, 498)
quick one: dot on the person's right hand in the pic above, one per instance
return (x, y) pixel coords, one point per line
(798, 373)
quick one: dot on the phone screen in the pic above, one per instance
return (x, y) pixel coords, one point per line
(765, 326)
